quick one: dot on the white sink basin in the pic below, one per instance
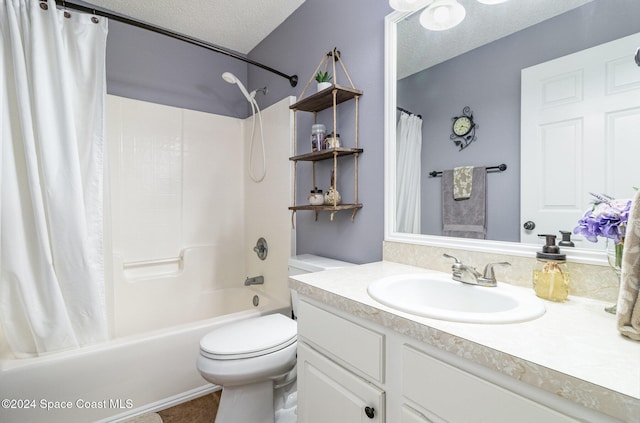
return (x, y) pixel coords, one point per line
(440, 297)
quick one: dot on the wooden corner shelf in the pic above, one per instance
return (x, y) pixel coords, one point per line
(327, 208)
(333, 209)
(330, 97)
(324, 99)
(325, 154)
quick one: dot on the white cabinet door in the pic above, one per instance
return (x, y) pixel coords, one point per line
(579, 120)
(329, 393)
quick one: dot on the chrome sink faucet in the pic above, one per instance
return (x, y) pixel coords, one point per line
(468, 274)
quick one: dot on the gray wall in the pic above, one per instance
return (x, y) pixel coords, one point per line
(488, 80)
(152, 67)
(356, 28)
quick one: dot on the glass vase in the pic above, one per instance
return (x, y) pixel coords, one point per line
(614, 256)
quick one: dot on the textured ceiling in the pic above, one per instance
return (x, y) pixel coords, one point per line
(241, 24)
(234, 24)
(419, 48)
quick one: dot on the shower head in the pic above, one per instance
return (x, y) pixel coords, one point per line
(232, 79)
(229, 77)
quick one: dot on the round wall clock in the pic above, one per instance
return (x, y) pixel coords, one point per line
(462, 125)
(463, 128)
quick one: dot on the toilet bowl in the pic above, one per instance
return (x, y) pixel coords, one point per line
(252, 358)
(248, 359)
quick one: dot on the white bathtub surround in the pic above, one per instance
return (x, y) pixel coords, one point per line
(186, 215)
(572, 352)
(264, 202)
(51, 287)
(180, 218)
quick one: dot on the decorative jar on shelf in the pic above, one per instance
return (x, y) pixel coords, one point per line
(318, 132)
(332, 141)
(315, 197)
(332, 197)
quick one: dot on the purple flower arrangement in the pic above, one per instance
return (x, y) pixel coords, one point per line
(607, 218)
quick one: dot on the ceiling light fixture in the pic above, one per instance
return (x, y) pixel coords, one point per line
(408, 5)
(442, 15)
(491, 1)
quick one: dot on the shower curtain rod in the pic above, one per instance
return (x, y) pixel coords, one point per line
(293, 79)
(408, 112)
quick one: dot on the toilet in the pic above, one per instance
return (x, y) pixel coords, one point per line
(252, 358)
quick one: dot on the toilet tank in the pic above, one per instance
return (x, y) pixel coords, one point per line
(309, 263)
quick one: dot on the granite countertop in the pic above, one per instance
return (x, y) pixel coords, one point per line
(574, 350)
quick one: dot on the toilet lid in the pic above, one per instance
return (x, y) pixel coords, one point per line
(250, 338)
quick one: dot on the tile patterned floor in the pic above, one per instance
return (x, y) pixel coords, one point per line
(199, 410)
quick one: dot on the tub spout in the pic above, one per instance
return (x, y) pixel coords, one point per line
(256, 280)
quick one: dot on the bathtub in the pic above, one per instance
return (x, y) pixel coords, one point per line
(122, 378)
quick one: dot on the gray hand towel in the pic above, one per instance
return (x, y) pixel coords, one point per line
(628, 310)
(464, 218)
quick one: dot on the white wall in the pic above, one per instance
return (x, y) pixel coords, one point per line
(180, 190)
(267, 202)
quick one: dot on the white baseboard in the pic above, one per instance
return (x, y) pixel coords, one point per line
(162, 404)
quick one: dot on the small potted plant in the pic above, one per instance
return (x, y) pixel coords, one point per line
(323, 79)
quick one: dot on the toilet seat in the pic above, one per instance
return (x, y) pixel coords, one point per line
(249, 338)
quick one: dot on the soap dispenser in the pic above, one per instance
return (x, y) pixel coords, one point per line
(550, 276)
(566, 239)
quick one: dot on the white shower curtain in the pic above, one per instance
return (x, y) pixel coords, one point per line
(408, 168)
(51, 167)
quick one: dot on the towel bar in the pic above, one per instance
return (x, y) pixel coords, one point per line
(501, 167)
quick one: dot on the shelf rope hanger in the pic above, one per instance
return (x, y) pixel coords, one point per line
(293, 79)
(335, 54)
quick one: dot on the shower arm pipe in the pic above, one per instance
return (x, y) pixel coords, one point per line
(293, 79)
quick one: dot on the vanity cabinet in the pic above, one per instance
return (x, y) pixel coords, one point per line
(348, 365)
(340, 369)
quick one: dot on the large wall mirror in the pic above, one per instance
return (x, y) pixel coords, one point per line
(526, 70)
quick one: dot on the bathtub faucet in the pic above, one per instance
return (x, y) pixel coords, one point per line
(256, 280)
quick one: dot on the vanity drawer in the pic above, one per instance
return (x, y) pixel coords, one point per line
(347, 342)
(458, 396)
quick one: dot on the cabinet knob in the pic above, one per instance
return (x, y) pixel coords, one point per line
(370, 412)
